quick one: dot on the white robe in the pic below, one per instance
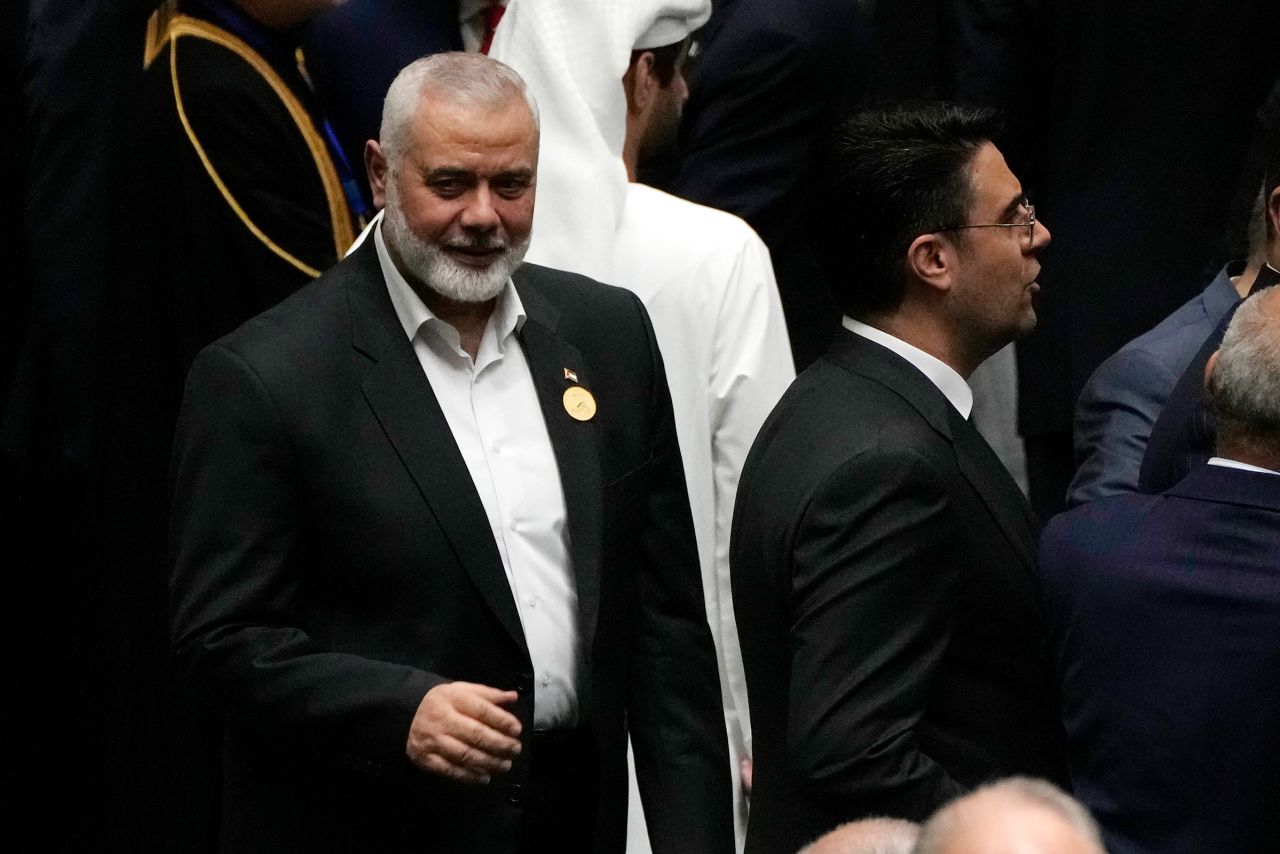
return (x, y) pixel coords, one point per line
(708, 284)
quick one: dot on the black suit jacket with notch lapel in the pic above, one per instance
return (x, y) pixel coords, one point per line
(890, 623)
(333, 562)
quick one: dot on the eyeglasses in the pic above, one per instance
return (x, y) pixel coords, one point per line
(1029, 223)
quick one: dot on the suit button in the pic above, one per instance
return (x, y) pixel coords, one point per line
(515, 792)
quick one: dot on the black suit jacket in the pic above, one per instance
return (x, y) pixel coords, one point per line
(1163, 613)
(889, 618)
(333, 562)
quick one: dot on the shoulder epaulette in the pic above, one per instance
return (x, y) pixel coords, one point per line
(158, 30)
(164, 27)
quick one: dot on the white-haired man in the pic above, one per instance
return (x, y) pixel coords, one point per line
(1017, 815)
(431, 540)
(1162, 613)
(867, 836)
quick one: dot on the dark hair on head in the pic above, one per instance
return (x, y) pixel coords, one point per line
(888, 175)
(666, 60)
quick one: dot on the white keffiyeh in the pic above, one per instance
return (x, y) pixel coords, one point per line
(572, 54)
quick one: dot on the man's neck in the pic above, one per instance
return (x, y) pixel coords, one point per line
(922, 332)
(468, 318)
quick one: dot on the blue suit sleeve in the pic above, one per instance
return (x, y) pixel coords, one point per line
(1113, 421)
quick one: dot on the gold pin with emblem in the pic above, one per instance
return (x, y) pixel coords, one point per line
(579, 403)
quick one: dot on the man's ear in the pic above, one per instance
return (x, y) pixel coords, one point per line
(376, 165)
(640, 84)
(1273, 213)
(1208, 370)
(931, 259)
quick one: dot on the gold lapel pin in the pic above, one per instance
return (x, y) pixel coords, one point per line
(579, 403)
(570, 375)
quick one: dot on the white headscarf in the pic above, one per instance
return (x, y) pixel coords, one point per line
(572, 54)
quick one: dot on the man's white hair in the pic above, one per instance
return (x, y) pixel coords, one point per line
(468, 79)
(867, 836)
(938, 831)
(1244, 386)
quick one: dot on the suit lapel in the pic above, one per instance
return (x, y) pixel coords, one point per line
(991, 481)
(404, 404)
(576, 446)
(977, 462)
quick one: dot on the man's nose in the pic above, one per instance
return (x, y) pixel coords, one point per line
(1040, 236)
(480, 212)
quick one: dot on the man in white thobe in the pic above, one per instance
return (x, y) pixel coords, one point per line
(606, 74)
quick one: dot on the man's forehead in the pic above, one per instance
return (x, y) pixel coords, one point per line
(994, 185)
(442, 108)
(447, 130)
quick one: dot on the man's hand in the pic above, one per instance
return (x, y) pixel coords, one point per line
(461, 731)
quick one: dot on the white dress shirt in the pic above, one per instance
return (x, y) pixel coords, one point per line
(942, 375)
(492, 409)
(1233, 464)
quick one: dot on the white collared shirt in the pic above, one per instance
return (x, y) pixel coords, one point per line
(492, 409)
(942, 375)
(1233, 464)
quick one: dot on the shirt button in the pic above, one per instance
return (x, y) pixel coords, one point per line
(545, 680)
(515, 526)
(496, 448)
(533, 601)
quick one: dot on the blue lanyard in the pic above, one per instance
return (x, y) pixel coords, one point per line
(350, 187)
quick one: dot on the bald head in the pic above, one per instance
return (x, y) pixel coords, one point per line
(1014, 816)
(868, 836)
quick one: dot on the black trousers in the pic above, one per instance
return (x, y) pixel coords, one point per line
(562, 793)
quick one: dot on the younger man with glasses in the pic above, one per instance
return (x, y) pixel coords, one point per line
(882, 555)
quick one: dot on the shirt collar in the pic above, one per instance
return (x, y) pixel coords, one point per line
(508, 313)
(1233, 464)
(942, 375)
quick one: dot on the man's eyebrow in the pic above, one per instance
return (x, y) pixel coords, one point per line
(1012, 208)
(516, 175)
(445, 172)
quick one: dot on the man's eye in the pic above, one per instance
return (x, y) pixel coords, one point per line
(511, 189)
(447, 188)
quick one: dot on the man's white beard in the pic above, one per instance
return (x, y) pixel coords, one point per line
(432, 266)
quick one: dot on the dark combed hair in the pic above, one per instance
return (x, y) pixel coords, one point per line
(888, 175)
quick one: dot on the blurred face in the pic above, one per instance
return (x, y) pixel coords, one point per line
(991, 303)
(459, 203)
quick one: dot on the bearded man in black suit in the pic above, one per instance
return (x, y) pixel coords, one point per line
(432, 548)
(882, 555)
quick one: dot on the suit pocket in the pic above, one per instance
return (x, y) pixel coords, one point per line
(631, 486)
